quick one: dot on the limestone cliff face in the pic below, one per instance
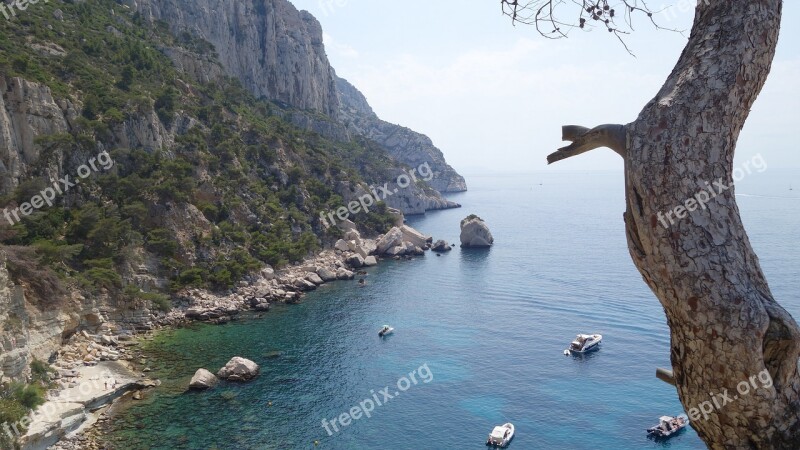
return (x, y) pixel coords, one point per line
(25, 332)
(275, 50)
(403, 144)
(27, 110)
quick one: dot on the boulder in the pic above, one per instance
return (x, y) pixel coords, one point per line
(259, 304)
(352, 235)
(414, 250)
(362, 251)
(475, 233)
(238, 369)
(202, 380)
(369, 245)
(314, 278)
(326, 274)
(415, 237)
(304, 285)
(370, 261)
(344, 274)
(268, 273)
(441, 246)
(397, 250)
(392, 238)
(341, 244)
(355, 261)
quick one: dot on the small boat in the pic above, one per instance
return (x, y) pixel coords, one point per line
(385, 331)
(584, 343)
(501, 435)
(668, 426)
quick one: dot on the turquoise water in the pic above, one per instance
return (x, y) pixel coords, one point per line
(489, 326)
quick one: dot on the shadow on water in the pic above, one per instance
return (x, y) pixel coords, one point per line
(473, 256)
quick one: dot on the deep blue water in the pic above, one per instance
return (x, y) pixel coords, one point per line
(489, 325)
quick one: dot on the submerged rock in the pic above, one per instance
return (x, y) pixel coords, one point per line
(239, 369)
(202, 380)
(475, 233)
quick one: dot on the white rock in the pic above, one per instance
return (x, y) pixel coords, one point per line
(370, 261)
(326, 274)
(344, 274)
(341, 245)
(314, 278)
(392, 238)
(202, 379)
(414, 236)
(475, 233)
(355, 261)
(239, 369)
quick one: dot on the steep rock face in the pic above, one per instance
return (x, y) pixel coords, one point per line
(27, 110)
(405, 145)
(275, 50)
(25, 332)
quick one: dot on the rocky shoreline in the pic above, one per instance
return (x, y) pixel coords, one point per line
(110, 363)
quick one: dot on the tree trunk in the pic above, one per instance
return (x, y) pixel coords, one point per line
(727, 331)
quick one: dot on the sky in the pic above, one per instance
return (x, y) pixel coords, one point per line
(493, 96)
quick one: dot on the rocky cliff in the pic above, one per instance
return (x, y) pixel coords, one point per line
(276, 51)
(27, 110)
(402, 143)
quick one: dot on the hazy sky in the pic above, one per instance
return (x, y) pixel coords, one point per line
(493, 96)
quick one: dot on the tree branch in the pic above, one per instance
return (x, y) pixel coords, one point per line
(584, 139)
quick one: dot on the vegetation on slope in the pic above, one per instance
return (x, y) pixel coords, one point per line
(239, 188)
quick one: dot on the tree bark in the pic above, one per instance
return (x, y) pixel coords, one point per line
(726, 327)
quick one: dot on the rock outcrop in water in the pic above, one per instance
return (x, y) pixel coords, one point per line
(239, 369)
(202, 380)
(475, 232)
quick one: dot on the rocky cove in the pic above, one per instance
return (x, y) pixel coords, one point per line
(103, 363)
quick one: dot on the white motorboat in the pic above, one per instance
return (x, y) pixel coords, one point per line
(584, 343)
(668, 426)
(501, 435)
(385, 331)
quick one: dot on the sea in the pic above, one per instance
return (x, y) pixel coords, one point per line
(478, 341)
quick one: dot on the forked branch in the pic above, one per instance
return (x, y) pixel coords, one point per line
(584, 139)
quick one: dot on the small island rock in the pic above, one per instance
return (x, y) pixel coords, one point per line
(441, 246)
(475, 233)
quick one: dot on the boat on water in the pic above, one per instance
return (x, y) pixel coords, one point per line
(584, 343)
(501, 435)
(385, 331)
(668, 426)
